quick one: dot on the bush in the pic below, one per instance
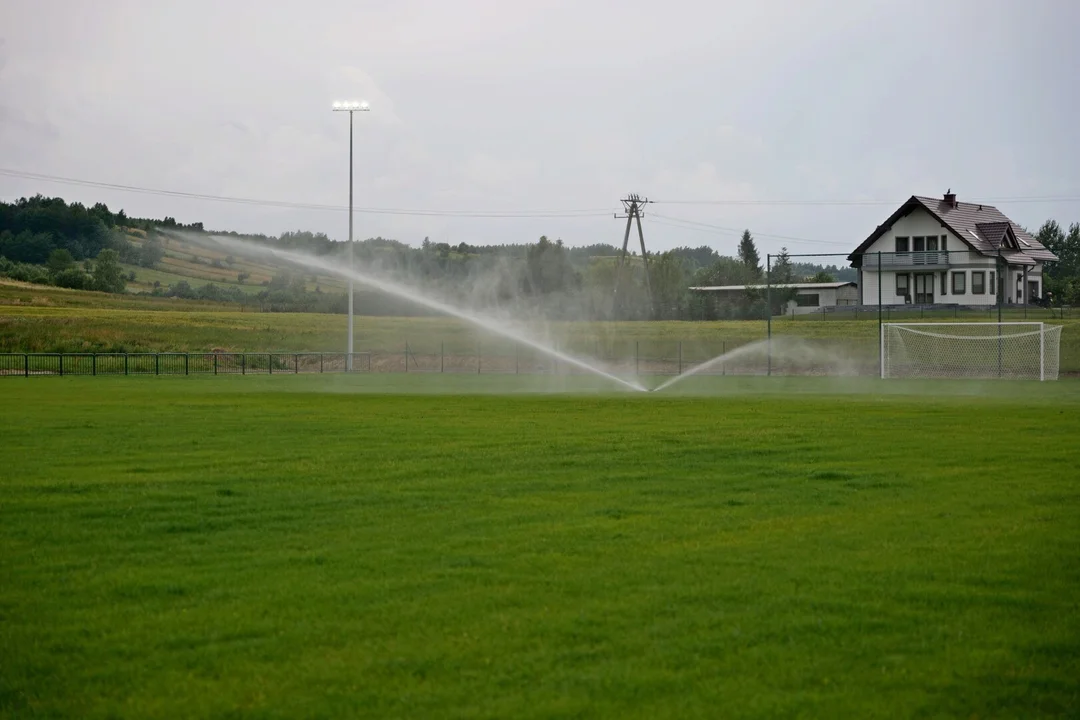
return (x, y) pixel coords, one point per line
(73, 278)
(181, 290)
(108, 276)
(32, 274)
(151, 253)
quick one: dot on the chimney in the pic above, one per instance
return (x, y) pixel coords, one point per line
(950, 198)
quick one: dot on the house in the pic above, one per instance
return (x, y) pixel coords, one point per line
(942, 251)
(809, 297)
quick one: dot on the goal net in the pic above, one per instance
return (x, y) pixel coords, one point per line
(970, 350)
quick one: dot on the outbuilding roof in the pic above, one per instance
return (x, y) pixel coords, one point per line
(797, 286)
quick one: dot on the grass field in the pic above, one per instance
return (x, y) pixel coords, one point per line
(360, 546)
(43, 319)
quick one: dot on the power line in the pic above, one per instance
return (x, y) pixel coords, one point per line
(720, 229)
(985, 201)
(595, 212)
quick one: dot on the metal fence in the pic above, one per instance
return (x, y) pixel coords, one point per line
(630, 358)
(28, 364)
(900, 313)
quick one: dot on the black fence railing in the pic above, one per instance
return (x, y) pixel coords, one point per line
(942, 312)
(27, 364)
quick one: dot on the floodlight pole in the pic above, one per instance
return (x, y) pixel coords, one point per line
(350, 107)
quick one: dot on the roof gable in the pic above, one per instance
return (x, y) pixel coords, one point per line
(984, 228)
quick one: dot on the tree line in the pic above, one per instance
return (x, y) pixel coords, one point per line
(1061, 279)
(48, 240)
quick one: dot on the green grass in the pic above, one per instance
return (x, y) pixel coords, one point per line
(145, 278)
(357, 546)
(43, 319)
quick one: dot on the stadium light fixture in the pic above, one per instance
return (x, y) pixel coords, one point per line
(350, 106)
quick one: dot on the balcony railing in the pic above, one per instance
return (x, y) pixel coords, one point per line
(927, 259)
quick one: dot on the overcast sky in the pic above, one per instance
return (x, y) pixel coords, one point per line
(561, 105)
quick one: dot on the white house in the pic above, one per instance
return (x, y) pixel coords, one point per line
(945, 251)
(809, 297)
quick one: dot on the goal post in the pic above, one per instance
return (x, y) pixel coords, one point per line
(1014, 350)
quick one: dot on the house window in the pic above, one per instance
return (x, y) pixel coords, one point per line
(958, 282)
(944, 247)
(925, 243)
(902, 286)
(944, 281)
(978, 282)
(808, 300)
(901, 244)
(993, 285)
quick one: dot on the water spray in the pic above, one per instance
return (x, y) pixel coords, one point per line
(405, 292)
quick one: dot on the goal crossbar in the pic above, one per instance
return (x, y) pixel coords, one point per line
(944, 350)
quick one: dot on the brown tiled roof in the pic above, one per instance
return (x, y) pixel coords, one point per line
(982, 227)
(993, 232)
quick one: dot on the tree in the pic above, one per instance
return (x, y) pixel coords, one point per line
(670, 285)
(783, 275)
(748, 254)
(1062, 277)
(72, 277)
(781, 270)
(821, 276)
(108, 276)
(151, 252)
(59, 261)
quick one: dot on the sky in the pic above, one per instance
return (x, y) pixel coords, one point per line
(806, 121)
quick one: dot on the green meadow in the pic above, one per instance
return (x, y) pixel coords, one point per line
(396, 545)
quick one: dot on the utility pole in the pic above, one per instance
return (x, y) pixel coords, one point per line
(632, 205)
(351, 107)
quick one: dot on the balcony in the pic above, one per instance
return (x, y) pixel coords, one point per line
(928, 260)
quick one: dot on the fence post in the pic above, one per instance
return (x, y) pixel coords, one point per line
(215, 363)
(93, 364)
(243, 363)
(157, 363)
(186, 356)
(61, 365)
(26, 365)
(296, 362)
(723, 351)
(680, 357)
(320, 362)
(125, 363)
(270, 363)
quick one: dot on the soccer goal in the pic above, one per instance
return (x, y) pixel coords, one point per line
(970, 350)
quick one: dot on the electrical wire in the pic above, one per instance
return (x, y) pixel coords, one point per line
(594, 212)
(897, 203)
(721, 230)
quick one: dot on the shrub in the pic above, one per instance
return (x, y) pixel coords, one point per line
(73, 278)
